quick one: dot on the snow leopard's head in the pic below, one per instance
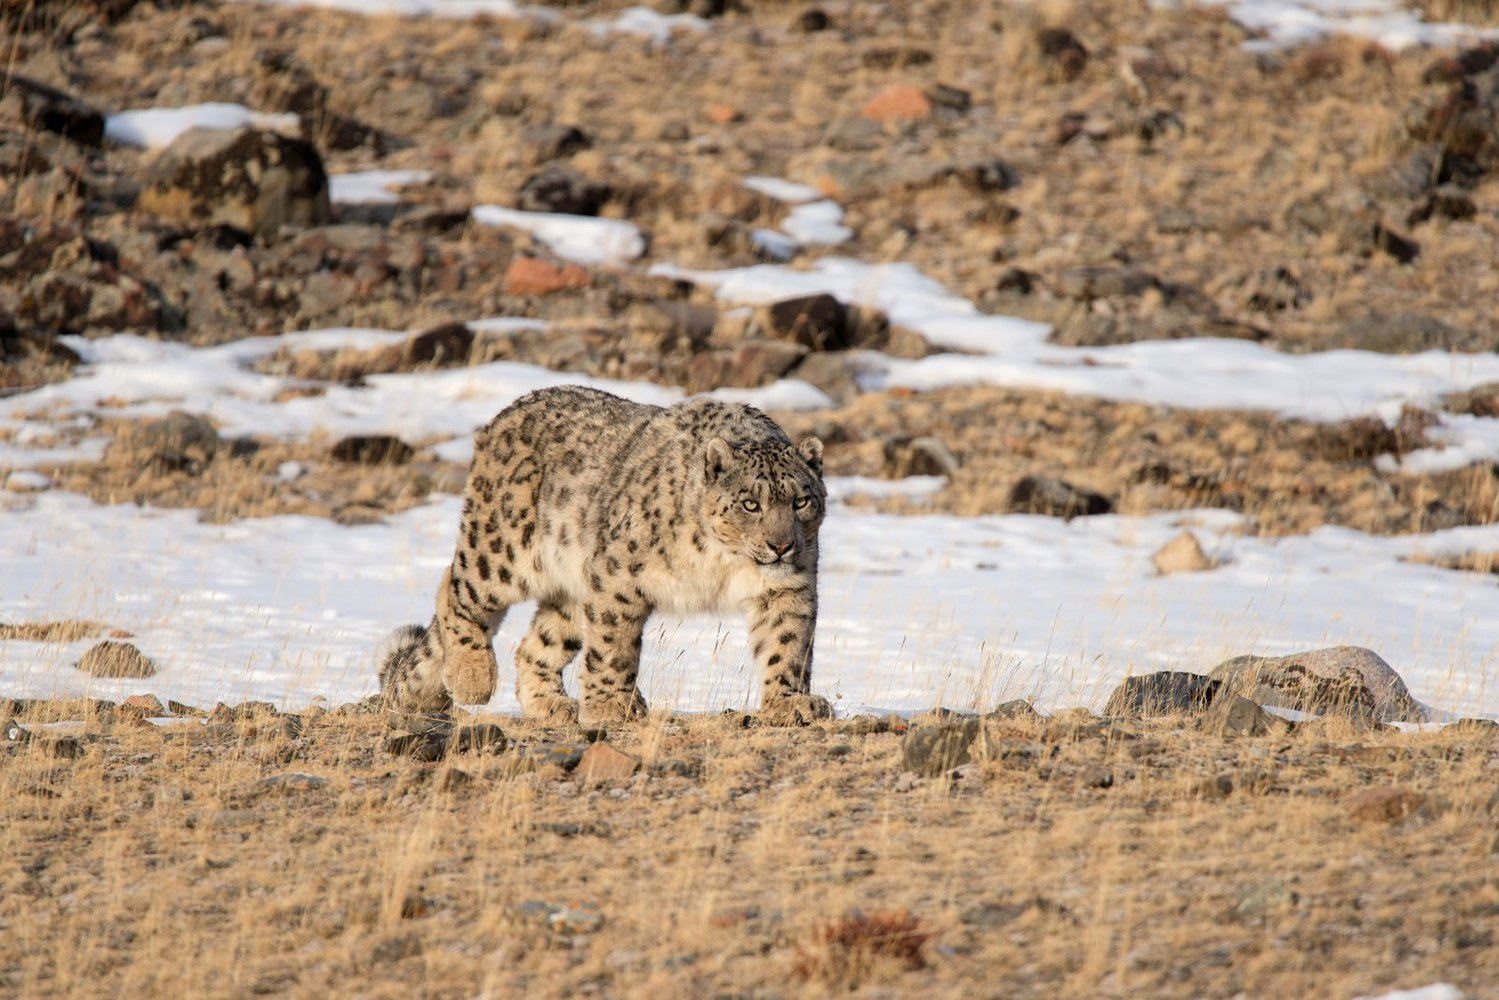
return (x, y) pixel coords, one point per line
(765, 500)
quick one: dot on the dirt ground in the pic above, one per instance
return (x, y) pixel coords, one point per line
(272, 856)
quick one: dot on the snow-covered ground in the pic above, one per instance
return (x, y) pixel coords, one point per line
(915, 610)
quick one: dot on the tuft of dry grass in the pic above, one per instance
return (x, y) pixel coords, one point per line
(848, 951)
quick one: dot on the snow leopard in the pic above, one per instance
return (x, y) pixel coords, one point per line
(604, 511)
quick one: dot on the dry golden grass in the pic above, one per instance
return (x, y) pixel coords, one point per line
(745, 862)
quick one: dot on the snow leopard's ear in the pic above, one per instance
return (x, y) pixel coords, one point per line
(718, 459)
(811, 449)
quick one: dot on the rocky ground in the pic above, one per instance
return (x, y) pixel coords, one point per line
(253, 853)
(1117, 170)
(1120, 173)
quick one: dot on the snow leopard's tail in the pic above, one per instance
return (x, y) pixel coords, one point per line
(409, 664)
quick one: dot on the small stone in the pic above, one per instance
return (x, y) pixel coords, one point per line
(811, 20)
(723, 114)
(1233, 715)
(421, 723)
(1219, 786)
(1269, 896)
(372, 449)
(422, 747)
(63, 748)
(116, 659)
(483, 737)
(603, 762)
(1161, 693)
(898, 102)
(953, 98)
(935, 750)
(1016, 709)
(143, 706)
(919, 456)
(1056, 498)
(563, 190)
(449, 344)
(51, 110)
(1096, 777)
(896, 57)
(1062, 48)
(253, 181)
(534, 276)
(291, 781)
(553, 141)
(1384, 805)
(564, 755)
(1183, 554)
(819, 322)
(182, 711)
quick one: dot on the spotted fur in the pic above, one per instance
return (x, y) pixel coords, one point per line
(603, 511)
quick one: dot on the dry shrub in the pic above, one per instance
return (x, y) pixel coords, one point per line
(1464, 11)
(848, 950)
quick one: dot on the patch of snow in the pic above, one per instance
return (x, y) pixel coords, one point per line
(648, 23)
(1193, 373)
(773, 244)
(967, 611)
(820, 222)
(582, 238)
(152, 128)
(373, 187)
(1289, 23)
(783, 394)
(841, 488)
(1436, 991)
(782, 190)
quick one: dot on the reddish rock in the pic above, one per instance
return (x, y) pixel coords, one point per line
(724, 114)
(533, 276)
(602, 762)
(898, 102)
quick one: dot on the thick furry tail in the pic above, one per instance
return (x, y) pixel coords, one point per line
(410, 670)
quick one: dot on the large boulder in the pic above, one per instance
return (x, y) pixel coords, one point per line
(251, 180)
(1347, 680)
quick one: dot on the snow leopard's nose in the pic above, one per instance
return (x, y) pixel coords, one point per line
(780, 548)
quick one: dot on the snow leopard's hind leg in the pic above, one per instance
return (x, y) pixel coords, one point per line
(409, 662)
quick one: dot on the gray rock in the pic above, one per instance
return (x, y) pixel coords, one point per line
(51, 110)
(935, 750)
(818, 322)
(919, 456)
(116, 659)
(1056, 498)
(553, 141)
(1015, 709)
(254, 181)
(1348, 680)
(561, 189)
(1162, 693)
(180, 433)
(749, 364)
(835, 374)
(1233, 715)
(372, 449)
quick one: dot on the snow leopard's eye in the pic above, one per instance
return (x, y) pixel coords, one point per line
(801, 502)
(750, 505)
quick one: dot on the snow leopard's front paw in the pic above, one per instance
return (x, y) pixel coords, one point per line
(469, 674)
(614, 708)
(796, 710)
(552, 710)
